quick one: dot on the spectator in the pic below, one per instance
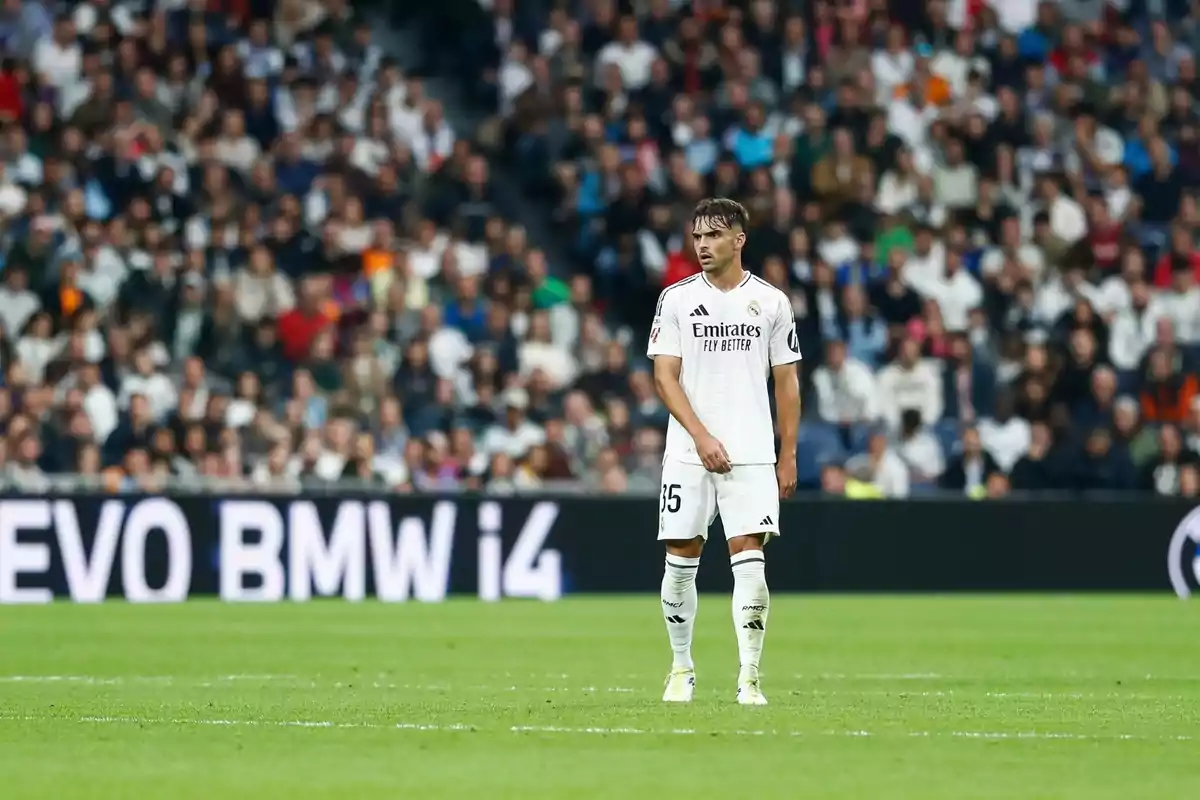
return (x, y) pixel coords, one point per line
(845, 387)
(279, 247)
(910, 383)
(881, 466)
(968, 473)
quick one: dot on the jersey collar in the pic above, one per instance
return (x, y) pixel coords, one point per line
(745, 279)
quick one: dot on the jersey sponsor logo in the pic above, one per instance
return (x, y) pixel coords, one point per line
(721, 330)
(725, 338)
(1183, 556)
(753, 309)
(699, 311)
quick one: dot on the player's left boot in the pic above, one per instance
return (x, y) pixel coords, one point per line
(681, 684)
(749, 693)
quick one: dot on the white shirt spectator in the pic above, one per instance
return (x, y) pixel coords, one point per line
(369, 154)
(1054, 298)
(1132, 334)
(956, 186)
(1067, 220)
(12, 197)
(890, 70)
(1006, 441)
(100, 405)
(558, 364)
(1014, 16)
(15, 310)
(895, 193)
(430, 148)
(918, 387)
(957, 295)
(58, 65)
(355, 238)
(1183, 308)
(954, 68)
(889, 474)
(1028, 255)
(101, 287)
(240, 413)
(261, 477)
(1113, 296)
(258, 296)
(515, 443)
(448, 349)
(848, 394)
(329, 466)
(633, 60)
(910, 124)
(240, 153)
(923, 455)
(514, 78)
(1119, 199)
(923, 272)
(157, 388)
(426, 261)
(838, 251)
(260, 62)
(34, 354)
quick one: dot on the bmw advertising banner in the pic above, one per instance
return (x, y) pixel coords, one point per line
(168, 549)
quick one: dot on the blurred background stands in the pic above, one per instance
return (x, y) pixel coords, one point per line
(263, 245)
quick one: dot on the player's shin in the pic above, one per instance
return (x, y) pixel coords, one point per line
(679, 603)
(751, 603)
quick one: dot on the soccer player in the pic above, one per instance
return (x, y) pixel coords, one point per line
(715, 338)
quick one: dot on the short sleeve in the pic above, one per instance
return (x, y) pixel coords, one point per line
(785, 343)
(664, 332)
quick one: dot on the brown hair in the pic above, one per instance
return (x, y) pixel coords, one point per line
(722, 212)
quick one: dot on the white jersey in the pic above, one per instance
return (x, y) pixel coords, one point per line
(728, 342)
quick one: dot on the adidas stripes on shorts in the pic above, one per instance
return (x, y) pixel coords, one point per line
(746, 497)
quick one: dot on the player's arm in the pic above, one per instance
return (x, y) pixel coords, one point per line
(785, 371)
(665, 349)
(787, 405)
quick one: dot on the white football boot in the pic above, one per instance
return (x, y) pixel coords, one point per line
(681, 683)
(748, 692)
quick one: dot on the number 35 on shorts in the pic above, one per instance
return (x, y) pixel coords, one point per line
(690, 497)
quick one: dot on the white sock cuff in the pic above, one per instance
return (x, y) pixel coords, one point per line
(747, 557)
(679, 562)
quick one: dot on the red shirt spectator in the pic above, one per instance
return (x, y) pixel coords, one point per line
(1181, 255)
(298, 328)
(1104, 239)
(11, 106)
(679, 266)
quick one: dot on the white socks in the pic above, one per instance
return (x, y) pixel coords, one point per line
(679, 606)
(751, 602)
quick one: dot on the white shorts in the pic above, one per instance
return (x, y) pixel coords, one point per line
(747, 497)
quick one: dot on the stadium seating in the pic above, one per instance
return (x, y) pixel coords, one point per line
(245, 245)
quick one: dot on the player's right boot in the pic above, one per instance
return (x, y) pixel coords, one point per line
(749, 693)
(681, 684)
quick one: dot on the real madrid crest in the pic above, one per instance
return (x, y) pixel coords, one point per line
(754, 309)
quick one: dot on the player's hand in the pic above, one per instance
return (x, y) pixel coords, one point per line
(785, 473)
(712, 455)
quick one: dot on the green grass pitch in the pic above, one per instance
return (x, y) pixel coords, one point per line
(871, 697)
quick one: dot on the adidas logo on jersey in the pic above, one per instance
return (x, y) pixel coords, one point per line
(699, 311)
(767, 521)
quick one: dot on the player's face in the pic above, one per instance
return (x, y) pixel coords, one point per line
(716, 245)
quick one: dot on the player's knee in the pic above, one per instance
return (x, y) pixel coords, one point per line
(685, 548)
(749, 541)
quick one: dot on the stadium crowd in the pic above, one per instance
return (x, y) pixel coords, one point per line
(243, 248)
